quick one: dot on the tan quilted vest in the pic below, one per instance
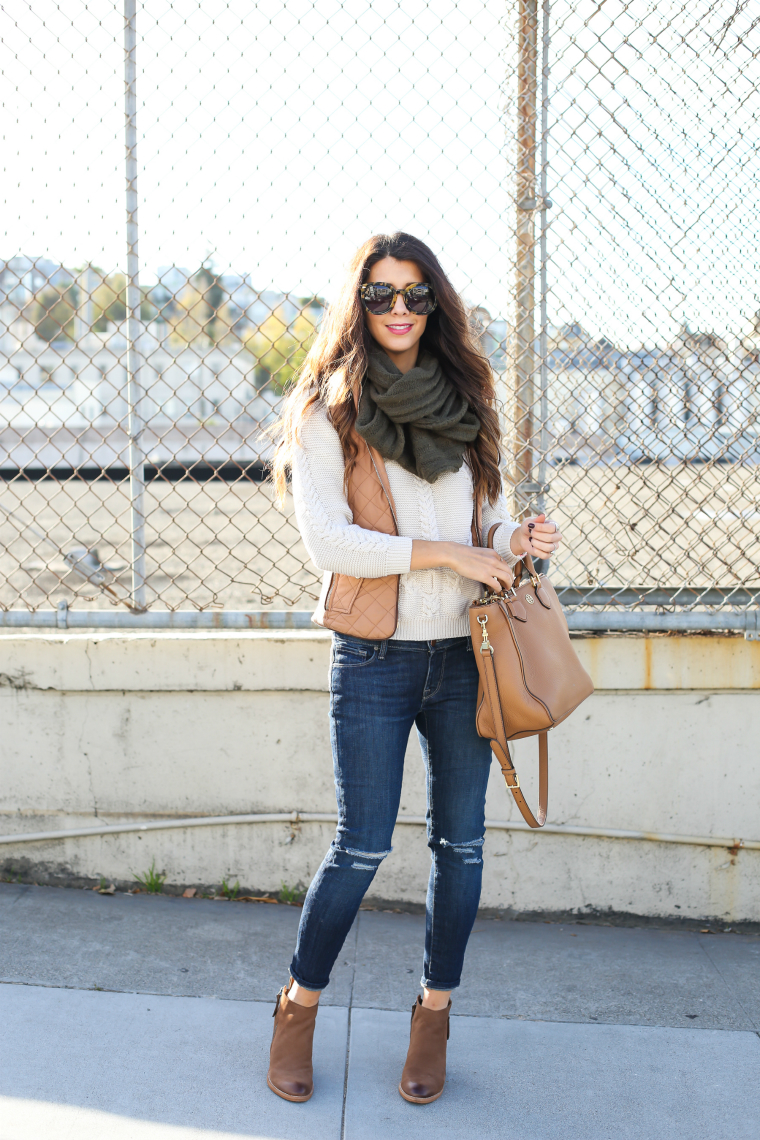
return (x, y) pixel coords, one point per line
(365, 607)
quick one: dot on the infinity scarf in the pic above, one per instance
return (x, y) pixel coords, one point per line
(416, 418)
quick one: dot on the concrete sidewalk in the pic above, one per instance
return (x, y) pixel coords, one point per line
(150, 1018)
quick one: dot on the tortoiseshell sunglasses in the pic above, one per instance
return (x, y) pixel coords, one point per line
(379, 297)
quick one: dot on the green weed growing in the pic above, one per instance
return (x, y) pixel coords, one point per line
(152, 880)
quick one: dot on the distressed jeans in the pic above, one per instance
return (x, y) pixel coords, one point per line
(378, 690)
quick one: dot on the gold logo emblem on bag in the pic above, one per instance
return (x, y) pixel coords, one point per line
(529, 599)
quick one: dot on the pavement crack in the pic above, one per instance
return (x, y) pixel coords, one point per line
(20, 895)
(348, 1028)
(89, 662)
(729, 988)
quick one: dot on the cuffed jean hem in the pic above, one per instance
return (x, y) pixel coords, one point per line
(429, 984)
(307, 985)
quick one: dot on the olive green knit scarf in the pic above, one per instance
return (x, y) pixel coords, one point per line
(417, 418)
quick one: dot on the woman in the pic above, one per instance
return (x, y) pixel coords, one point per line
(395, 382)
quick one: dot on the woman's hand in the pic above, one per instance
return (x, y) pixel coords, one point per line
(475, 562)
(537, 536)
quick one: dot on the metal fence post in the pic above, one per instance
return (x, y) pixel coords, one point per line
(525, 193)
(544, 204)
(134, 391)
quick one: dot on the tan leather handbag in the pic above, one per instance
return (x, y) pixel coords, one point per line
(530, 675)
(365, 607)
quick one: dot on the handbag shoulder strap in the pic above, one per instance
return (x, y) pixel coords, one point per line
(477, 525)
(500, 747)
(379, 465)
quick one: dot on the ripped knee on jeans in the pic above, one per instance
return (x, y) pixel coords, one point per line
(363, 860)
(471, 850)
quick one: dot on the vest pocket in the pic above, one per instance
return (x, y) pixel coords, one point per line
(342, 594)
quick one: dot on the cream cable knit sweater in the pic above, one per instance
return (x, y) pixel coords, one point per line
(432, 603)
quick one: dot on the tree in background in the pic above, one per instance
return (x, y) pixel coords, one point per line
(53, 310)
(280, 346)
(203, 311)
(109, 302)
(199, 310)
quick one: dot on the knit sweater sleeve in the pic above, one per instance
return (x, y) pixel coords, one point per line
(500, 514)
(324, 516)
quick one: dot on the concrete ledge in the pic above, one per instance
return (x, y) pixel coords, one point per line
(671, 662)
(141, 725)
(167, 662)
(298, 659)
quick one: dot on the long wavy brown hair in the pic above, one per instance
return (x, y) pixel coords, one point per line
(337, 361)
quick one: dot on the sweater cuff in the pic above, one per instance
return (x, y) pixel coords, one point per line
(501, 542)
(398, 559)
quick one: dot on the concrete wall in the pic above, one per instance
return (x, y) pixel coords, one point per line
(138, 726)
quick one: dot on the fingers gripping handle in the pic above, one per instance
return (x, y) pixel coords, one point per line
(500, 748)
(526, 562)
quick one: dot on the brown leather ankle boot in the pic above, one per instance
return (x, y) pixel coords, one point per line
(290, 1072)
(424, 1073)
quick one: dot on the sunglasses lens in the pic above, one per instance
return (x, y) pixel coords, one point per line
(378, 299)
(420, 299)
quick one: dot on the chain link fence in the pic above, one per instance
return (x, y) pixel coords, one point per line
(187, 181)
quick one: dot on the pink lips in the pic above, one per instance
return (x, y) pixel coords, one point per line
(399, 330)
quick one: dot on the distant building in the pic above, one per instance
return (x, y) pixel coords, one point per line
(696, 399)
(21, 278)
(693, 400)
(64, 402)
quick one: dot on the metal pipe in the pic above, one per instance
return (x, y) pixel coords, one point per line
(157, 619)
(134, 389)
(295, 817)
(681, 596)
(525, 237)
(543, 262)
(608, 621)
(661, 623)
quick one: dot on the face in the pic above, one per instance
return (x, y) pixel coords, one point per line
(399, 331)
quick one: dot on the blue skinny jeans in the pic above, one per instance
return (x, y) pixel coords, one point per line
(378, 690)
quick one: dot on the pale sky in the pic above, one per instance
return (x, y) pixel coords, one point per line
(276, 136)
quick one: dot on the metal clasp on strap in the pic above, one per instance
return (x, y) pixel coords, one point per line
(517, 780)
(485, 646)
